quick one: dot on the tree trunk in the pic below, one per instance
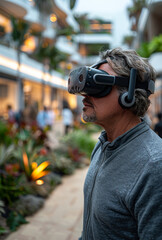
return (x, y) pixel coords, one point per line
(43, 88)
(20, 83)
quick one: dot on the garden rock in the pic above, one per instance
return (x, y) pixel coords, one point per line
(53, 179)
(42, 190)
(50, 182)
(28, 204)
(5, 228)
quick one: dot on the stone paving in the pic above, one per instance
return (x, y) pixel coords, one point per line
(61, 216)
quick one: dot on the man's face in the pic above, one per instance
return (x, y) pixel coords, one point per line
(101, 110)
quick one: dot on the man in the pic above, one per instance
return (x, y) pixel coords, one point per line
(67, 118)
(11, 114)
(123, 187)
(50, 118)
(42, 118)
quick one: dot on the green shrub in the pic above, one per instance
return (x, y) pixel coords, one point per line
(82, 140)
(143, 50)
(11, 187)
(6, 153)
(14, 220)
(148, 48)
(5, 137)
(156, 44)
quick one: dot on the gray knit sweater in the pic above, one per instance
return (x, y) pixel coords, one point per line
(123, 188)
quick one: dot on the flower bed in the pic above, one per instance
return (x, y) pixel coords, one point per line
(30, 170)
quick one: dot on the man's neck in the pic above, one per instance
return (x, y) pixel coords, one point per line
(118, 127)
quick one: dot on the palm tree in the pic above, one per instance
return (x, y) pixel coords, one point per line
(128, 39)
(44, 6)
(45, 9)
(72, 3)
(47, 53)
(83, 22)
(19, 35)
(50, 56)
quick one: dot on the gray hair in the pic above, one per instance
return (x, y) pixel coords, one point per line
(121, 61)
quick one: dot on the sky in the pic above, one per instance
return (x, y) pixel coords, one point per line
(113, 10)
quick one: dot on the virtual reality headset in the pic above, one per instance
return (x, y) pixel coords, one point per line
(94, 82)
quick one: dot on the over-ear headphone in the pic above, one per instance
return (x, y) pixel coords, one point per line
(127, 99)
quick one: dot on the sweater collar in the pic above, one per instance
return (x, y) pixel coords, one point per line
(124, 138)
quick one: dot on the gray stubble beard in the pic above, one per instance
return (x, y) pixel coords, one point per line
(91, 118)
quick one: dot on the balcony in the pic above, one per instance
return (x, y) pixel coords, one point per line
(33, 17)
(93, 38)
(16, 8)
(50, 30)
(155, 6)
(29, 69)
(65, 15)
(38, 24)
(149, 24)
(65, 45)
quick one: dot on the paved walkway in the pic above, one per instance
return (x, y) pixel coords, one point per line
(61, 216)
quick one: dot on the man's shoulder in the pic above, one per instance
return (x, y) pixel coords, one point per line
(150, 136)
(151, 143)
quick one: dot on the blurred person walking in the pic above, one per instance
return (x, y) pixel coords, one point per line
(11, 114)
(42, 118)
(122, 190)
(67, 117)
(158, 125)
(50, 118)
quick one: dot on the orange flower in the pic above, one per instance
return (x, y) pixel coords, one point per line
(36, 171)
